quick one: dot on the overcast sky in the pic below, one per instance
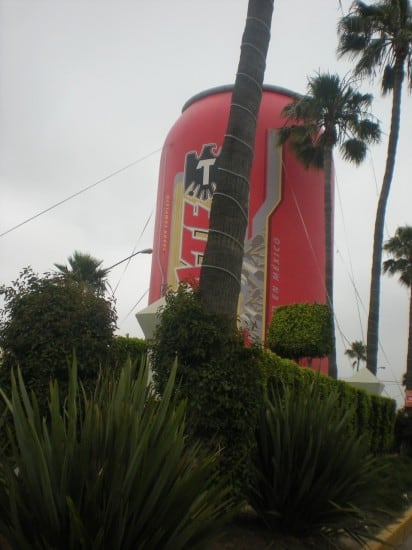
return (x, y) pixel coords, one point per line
(88, 87)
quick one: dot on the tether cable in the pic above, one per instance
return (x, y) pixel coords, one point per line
(74, 195)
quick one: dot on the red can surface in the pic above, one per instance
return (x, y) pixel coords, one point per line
(285, 242)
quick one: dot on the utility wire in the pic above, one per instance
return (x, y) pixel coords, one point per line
(352, 276)
(134, 307)
(309, 240)
(105, 178)
(133, 251)
(343, 337)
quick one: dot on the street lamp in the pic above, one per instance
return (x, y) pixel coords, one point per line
(144, 251)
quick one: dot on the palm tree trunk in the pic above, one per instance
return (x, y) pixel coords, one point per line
(409, 356)
(328, 208)
(374, 297)
(223, 258)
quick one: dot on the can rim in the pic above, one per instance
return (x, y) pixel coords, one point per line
(229, 87)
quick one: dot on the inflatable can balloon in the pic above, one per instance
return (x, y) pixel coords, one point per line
(284, 259)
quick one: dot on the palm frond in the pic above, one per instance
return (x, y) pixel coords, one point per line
(379, 36)
(400, 248)
(388, 79)
(354, 150)
(369, 130)
(332, 113)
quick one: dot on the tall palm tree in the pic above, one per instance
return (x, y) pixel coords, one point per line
(380, 37)
(85, 270)
(223, 258)
(400, 248)
(332, 114)
(357, 351)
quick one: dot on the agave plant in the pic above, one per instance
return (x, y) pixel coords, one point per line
(313, 474)
(108, 472)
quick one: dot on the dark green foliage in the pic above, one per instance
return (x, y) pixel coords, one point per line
(44, 320)
(220, 377)
(124, 348)
(357, 352)
(399, 248)
(223, 382)
(396, 471)
(4, 418)
(403, 432)
(378, 36)
(224, 397)
(382, 423)
(333, 113)
(364, 423)
(313, 473)
(301, 330)
(186, 331)
(374, 416)
(85, 271)
(109, 472)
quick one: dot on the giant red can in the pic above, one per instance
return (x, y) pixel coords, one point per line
(285, 242)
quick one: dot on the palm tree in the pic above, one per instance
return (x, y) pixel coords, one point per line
(85, 270)
(223, 258)
(332, 114)
(400, 248)
(380, 36)
(357, 351)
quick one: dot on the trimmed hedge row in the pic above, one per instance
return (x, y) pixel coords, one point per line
(225, 383)
(126, 347)
(374, 415)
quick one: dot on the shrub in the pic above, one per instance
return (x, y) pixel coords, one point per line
(186, 331)
(381, 423)
(124, 348)
(111, 471)
(220, 378)
(313, 475)
(397, 470)
(374, 415)
(403, 432)
(44, 320)
(301, 330)
(4, 417)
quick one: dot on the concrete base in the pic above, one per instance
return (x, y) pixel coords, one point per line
(398, 535)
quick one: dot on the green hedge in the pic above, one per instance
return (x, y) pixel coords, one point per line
(220, 378)
(124, 348)
(301, 330)
(225, 383)
(375, 415)
(403, 432)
